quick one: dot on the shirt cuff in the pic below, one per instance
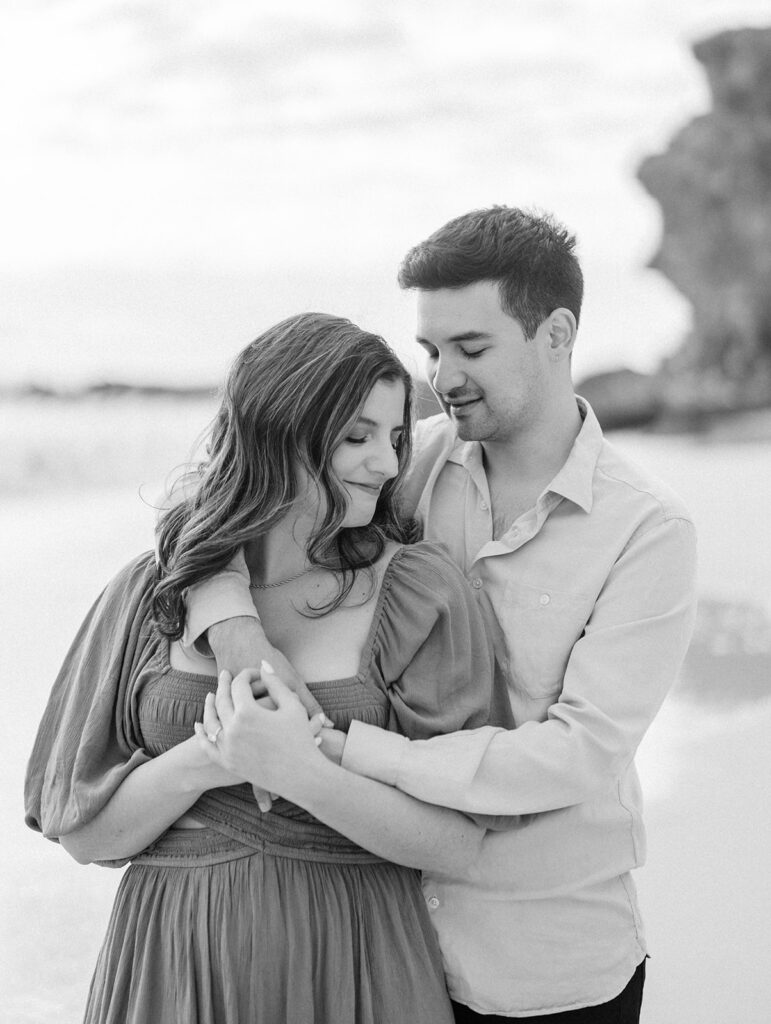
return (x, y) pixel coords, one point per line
(222, 597)
(374, 752)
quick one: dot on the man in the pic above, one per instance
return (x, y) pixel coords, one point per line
(584, 569)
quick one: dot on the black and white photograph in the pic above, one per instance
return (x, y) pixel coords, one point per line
(386, 568)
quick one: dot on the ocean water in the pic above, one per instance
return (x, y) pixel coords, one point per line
(76, 502)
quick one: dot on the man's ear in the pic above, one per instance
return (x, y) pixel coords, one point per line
(562, 327)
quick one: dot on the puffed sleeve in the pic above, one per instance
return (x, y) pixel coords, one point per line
(87, 742)
(433, 655)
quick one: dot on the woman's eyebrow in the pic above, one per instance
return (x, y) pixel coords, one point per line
(367, 422)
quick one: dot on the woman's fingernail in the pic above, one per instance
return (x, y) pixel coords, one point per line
(265, 666)
(317, 740)
(223, 676)
(327, 721)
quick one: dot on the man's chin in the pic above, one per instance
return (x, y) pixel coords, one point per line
(467, 427)
(467, 431)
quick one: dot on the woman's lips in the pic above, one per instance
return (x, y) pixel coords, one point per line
(371, 489)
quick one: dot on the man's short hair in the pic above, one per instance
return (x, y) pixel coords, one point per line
(530, 255)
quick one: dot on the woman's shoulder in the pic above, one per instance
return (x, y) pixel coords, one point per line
(127, 595)
(425, 569)
(135, 575)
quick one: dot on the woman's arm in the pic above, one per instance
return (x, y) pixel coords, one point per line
(150, 799)
(377, 817)
(277, 751)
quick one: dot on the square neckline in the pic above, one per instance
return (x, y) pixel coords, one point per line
(361, 676)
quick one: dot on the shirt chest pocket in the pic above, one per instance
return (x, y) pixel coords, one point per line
(541, 626)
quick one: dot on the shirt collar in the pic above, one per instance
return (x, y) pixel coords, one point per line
(575, 480)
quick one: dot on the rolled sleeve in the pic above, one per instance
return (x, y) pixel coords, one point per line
(373, 752)
(224, 596)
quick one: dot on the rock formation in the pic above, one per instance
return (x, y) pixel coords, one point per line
(714, 188)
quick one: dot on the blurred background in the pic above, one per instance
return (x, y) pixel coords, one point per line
(177, 177)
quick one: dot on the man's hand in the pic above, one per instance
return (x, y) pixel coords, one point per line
(240, 643)
(332, 744)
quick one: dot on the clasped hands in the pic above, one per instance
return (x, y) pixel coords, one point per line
(266, 740)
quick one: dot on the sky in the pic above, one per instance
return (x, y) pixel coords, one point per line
(178, 176)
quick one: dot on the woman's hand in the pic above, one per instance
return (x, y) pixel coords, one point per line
(271, 748)
(214, 772)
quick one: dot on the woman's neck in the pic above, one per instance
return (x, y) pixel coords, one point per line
(282, 552)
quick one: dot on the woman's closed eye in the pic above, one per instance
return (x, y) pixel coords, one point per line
(396, 439)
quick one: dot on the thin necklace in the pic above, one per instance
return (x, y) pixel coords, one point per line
(280, 583)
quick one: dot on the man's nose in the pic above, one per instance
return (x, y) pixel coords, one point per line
(447, 376)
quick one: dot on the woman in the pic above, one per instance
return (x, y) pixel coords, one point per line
(227, 915)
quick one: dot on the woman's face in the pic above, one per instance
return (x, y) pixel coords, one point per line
(366, 457)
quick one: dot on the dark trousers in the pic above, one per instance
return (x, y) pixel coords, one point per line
(624, 1009)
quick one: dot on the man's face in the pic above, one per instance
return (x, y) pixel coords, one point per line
(488, 377)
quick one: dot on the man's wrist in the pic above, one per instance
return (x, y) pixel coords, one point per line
(238, 642)
(374, 752)
(228, 627)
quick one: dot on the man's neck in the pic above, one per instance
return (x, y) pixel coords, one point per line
(524, 465)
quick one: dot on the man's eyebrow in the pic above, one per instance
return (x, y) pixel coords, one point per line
(462, 336)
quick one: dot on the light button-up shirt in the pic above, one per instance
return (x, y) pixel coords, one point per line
(589, 598)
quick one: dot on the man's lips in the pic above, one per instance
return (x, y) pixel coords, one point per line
(460, 403)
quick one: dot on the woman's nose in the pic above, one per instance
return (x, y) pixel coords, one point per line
(385, 461)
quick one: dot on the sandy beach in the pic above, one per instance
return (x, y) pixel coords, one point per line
(705, 762)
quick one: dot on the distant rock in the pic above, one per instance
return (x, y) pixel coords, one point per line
(622, 398)
(714, 188)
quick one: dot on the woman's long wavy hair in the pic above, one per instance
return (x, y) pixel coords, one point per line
(288, 401)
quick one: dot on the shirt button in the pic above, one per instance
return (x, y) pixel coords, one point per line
(544, 599)
(433, 902)
(476, 583)
(484, 506)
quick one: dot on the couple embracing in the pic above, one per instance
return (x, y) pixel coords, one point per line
(365, 722)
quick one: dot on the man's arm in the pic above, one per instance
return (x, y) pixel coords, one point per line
(222, 622)
(223, 596)
(616, 679)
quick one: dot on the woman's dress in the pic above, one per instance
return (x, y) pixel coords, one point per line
(258, 917)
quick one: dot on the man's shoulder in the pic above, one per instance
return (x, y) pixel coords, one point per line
(432, 443)
(433, 438)
(621, 478)
(434, 428)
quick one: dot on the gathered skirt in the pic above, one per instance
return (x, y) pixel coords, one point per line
(206, 931)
